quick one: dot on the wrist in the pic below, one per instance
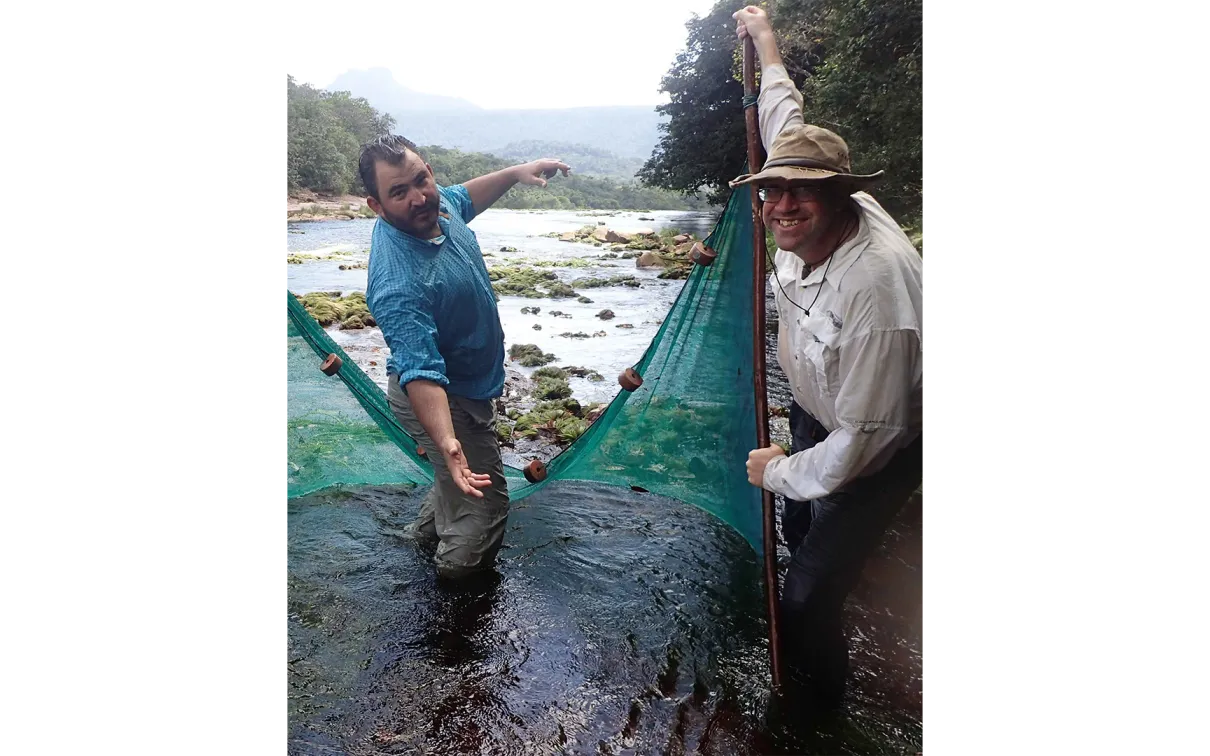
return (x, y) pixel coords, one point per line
(772, 478)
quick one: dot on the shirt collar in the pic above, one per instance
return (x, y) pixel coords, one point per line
(842, 259)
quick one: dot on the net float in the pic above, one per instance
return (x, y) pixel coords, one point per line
(630, 380)
(535, 471)
(702, 255)
(331, 366)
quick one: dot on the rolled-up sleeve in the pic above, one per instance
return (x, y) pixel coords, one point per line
(779, 104)
(406, 320)
(874, 407)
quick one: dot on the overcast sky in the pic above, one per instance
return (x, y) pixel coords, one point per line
(501, 54)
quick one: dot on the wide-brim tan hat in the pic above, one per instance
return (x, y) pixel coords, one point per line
(809, 153)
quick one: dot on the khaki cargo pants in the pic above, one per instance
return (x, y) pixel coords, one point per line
(470, 530)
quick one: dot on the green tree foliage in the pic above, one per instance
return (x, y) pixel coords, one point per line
(588, 161)
(571, 192)
(868, 88)
(324, 132)
(859, 64)
(703, 142)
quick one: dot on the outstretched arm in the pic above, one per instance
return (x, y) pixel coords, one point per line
(486, 189)
(780, 103)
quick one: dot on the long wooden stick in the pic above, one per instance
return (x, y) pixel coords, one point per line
(755, 161)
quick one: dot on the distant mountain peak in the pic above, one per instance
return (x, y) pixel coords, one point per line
(603, 140)
(378, 86)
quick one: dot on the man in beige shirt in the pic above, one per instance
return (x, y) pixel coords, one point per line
(848, 289)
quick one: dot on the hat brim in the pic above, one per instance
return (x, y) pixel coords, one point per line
(797, 173)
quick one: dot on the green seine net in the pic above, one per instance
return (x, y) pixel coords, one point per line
(685, 433)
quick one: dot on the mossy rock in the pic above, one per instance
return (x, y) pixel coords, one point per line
(550, 372)
(524, 280)
(535, 361)
(323, 307)
(530, 355)
(504, 432)
(569, 429)
(552, 388)
(583, 300)
(510, 289)
(596, 283)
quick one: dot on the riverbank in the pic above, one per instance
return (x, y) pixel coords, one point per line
(311, 206)
(308, 206)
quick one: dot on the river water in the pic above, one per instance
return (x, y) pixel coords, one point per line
(621, 623)
(643, 308)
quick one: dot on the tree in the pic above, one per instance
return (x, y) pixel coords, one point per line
(702, 145)
(324, 134)
(859, 65)
(869, 90)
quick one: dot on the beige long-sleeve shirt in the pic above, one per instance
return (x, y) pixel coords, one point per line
(856, 363)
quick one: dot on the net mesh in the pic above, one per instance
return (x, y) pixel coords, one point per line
(685, 433)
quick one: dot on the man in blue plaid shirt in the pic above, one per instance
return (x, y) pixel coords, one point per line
(430, 294)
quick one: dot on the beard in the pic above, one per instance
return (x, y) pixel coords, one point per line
(419, 222)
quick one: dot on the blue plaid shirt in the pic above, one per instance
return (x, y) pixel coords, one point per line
(435, 305)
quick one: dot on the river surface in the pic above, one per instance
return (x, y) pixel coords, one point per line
(643, 308)
(620, 622)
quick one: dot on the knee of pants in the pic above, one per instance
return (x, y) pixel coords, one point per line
(465, 554)
(471, 534)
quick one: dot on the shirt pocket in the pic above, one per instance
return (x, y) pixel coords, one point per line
(821, 355)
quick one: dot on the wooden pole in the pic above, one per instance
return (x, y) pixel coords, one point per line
(755, 161)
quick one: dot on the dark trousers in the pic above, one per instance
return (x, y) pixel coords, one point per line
(829, 539)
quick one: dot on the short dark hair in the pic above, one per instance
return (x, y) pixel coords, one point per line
(389, 148)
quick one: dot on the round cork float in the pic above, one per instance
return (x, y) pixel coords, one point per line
(630, 380)
(702, 255)
(535, 471)
(331, 366)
